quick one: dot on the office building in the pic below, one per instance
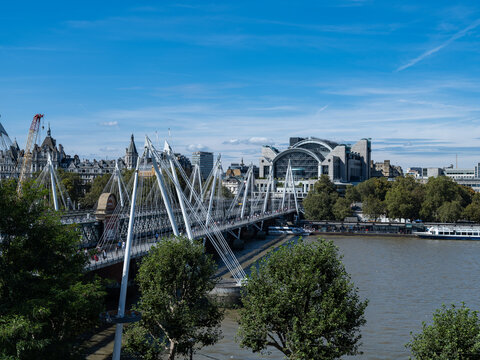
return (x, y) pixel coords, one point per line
(205, 162)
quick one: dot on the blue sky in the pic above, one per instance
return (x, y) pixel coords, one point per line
(229, 76)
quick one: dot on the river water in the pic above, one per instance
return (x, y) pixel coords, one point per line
(405, 280)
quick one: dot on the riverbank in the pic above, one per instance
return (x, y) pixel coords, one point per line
(364, 228)
(358, 233)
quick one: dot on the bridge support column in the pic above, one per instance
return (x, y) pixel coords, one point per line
(265, 201)
(212, 193)
(242, 212)
(117, 348)
(52, 180)
(294, 190)
(186, 220)
(166, 199)
(119, 183)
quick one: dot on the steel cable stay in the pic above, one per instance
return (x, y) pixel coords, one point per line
(218, 241)
(205, 217)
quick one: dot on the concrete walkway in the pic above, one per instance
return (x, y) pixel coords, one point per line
(100, 345)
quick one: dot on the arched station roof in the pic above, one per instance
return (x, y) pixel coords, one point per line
(297, 150)
(330, 145)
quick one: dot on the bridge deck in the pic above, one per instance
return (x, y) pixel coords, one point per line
(139, 249)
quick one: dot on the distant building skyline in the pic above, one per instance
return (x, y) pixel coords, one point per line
(228, 78)
(252, 157)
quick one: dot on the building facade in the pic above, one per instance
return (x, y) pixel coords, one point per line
(385, 169)
(205, 162)
(465, 177)
(312, 157)
(11, 159)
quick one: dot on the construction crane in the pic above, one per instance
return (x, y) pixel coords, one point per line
(27, 158)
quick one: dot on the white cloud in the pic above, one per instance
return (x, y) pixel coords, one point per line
(250, 141)
(197, 147)
(109, 149)
(109, 123)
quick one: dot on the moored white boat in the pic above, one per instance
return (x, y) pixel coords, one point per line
(278, 230)
(442, 232)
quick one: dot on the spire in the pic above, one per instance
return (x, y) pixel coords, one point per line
(241, 162)
(49, 142)
(132, 149)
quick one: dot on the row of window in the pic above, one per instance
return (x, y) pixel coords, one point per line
(464, 233)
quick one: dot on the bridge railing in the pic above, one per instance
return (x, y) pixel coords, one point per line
(142, 246)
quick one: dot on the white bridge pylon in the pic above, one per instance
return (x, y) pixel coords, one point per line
(48, 178)
(171, 203)
(165, 201)
(161, 196)
(116, 185)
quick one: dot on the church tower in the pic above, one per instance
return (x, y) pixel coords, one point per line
(131, 156)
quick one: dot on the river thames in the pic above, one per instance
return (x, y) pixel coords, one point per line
(405, 280)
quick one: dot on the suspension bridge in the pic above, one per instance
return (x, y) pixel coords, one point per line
(162, 200)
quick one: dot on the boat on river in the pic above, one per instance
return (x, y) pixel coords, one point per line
(443, 232)
(278, 230)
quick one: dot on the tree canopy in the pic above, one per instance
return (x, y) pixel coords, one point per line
(376, 187)
(440, 199)
(96, 189)
(404, 199)
(319, 202)
(453, 335)
(472, 211)
(45, 298)
(441, 190)
(302, 302)
(73, 184)
(174, 280)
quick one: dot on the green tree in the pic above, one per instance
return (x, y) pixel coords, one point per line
(91, 197)
(174, 281)
(352, 194)
(438, 191)
(376, 187)
(472, 211)
(324, 185)
(73, 184)
(373, 207)
(127, 175)
(450, 211)
(302, 302)
(45, 298)
(318, 204)
(342, 209)
(404, 199)
(454, 335)
(227, 193)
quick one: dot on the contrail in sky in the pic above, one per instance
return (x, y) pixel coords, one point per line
(456, 36)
